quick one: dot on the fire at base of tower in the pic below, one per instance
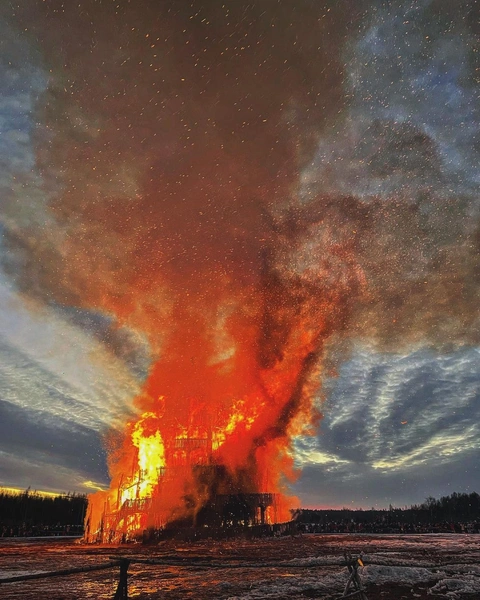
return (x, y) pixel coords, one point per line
(182, 482)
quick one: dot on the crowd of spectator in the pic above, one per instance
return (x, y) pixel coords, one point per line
(458, 513)
(380, 526)
(24, 530)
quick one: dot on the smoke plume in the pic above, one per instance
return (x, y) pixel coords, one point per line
(247, 183)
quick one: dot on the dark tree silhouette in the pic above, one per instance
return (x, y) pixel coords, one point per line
(31, 513)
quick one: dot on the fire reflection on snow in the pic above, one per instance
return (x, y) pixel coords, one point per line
(305, 566)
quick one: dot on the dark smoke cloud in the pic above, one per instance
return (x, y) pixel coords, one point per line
(406, 148)
(171, 129)
(316, 156)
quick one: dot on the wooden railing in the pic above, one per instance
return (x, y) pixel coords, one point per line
(353, 588)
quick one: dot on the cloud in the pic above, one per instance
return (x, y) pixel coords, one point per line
(40, 437)
(61, 390)
(413, 114)
(43, 353)
(359, 485)
(396, 426)
(37, 473)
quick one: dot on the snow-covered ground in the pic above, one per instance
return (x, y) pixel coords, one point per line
(308, 566)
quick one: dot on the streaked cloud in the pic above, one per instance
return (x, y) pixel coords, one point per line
(61, 390)
(393, 417)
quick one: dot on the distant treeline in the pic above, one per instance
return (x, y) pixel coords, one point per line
(30, 513)
(456, 513)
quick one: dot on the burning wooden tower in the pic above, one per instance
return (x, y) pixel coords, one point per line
(212, 499)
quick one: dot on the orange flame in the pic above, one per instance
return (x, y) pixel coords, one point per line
(216, 419)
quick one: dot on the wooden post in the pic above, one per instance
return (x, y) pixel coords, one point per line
(354, 579)
(122, 588)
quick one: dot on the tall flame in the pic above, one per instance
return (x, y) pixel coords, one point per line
(221, 405)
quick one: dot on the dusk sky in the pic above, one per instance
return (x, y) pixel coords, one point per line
(336, 142)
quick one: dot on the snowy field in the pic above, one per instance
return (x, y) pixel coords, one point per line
(409, 566)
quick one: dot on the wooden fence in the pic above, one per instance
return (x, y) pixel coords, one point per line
(353, 588)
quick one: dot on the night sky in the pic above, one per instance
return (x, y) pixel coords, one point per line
(157, 154)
